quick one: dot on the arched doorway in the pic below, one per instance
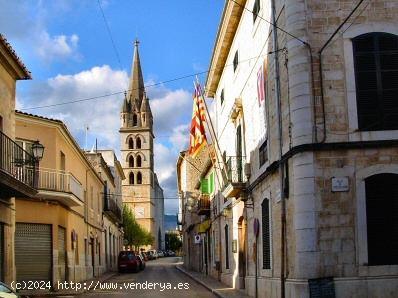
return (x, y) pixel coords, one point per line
(242, 251)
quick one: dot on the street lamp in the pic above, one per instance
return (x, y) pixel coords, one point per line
(38, 150)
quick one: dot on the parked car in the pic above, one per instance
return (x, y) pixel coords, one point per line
(6, 291)
(141, 261)
(171, 253)
(154, 253)
(149, 255)
(144, 256)
(160, 254)
(165, 253)
(128, 261)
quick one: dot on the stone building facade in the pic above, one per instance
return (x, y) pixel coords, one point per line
(141, 189)
(312, 108)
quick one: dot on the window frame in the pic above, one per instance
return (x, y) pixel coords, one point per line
(263, 154)
(256, 10)
(235, 61)
(269, 235)
(376, 54)
(352, 32)
(361, 224)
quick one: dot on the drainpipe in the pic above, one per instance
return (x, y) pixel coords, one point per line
(320, 67)
(281, 172)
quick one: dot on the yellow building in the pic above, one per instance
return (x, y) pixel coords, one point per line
(109, 168)
(16, 179)
(58, 233)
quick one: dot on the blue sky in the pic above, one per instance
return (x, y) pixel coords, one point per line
(66, 46)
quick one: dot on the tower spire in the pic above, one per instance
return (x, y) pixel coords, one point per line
(136, 86)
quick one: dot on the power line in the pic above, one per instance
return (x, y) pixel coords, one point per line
(110, 34)
(272, 24)
(146, 86)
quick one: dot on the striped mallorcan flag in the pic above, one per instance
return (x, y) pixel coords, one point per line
(197, 132)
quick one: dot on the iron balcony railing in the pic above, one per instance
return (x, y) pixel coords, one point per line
(56, 180)
(235, 166)
(204, 204)
(111, 206)
(17, 162)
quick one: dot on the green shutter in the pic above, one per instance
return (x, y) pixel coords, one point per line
(204, 186)
(211, 190)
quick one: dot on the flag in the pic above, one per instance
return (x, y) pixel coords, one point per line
(197, 132)
(261, 85)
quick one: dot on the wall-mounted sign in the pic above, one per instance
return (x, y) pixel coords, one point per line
(340, 184)
(197, 239)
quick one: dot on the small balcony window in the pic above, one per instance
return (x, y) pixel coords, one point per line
(236, 61)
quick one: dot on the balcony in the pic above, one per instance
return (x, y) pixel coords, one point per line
(204, 205)
(111, 207)
(17, 170)
(235, 181)
(60, 186)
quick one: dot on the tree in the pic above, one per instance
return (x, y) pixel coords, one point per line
(173, 241)
(134, 234)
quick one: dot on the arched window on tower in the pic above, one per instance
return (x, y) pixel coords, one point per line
(138, 143)
(131, 178)
(139, 161)
(135, 120)
(131, 143)
(131, 161)
(139, 178)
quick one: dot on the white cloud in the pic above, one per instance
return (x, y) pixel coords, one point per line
(25, 22)
(171, 109)
(101, 115)
(56, 47)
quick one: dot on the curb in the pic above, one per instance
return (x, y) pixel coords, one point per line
(215, 292)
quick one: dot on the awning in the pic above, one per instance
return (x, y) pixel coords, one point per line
(204, 226)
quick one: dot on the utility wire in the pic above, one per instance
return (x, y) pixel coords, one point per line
(110, 34)
(272, 24)
(167, 81)
(123, 91)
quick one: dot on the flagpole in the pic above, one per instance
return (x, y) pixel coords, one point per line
(211, 129)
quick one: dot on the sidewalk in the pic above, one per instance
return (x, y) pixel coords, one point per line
(217, 288)
(42, 293)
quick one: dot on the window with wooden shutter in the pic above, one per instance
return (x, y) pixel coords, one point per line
(256, 9)
(211, 183)
(236, 61)
(204, 186)
(376, 78)
(266, 234)
(381, 219)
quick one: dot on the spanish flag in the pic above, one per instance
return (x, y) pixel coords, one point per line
(197, 132)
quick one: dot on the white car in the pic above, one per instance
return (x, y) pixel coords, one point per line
(6, 291)
(154, 253)
(160, 254)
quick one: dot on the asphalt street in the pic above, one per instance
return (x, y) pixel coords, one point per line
(159, 279)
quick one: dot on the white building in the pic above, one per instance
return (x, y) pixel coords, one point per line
(315, 162)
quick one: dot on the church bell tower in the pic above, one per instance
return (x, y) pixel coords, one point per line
(136, 136)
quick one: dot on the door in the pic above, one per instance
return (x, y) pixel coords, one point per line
(242, 251)
(61, 254)
(92, 244)
(1, 252)
(33, 252)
